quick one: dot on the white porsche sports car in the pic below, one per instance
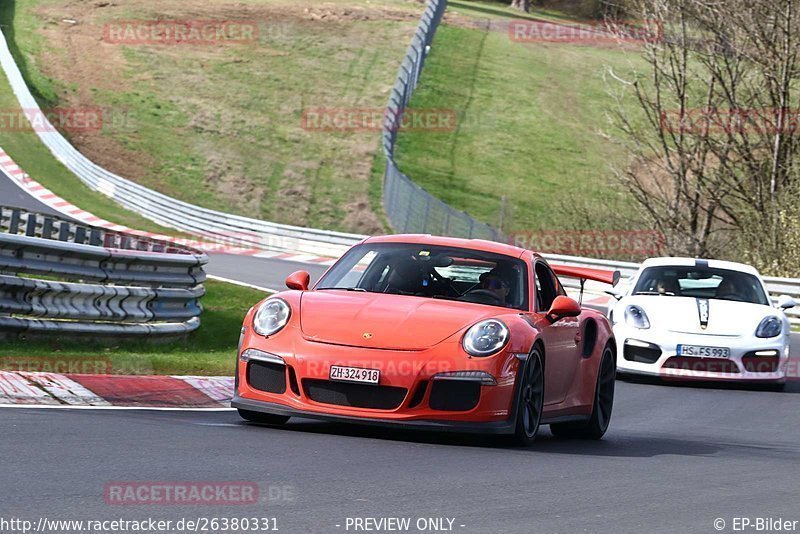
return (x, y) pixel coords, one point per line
(700, 319)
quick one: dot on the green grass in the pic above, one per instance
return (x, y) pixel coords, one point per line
(532, 127)
(33, 157)
(26, 149)
(220, 126)
(210, 350)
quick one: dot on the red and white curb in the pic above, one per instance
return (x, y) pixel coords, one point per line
(83, 390)
(207, 243)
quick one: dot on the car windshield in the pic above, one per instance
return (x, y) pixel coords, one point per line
(431, 272)
(701, 282)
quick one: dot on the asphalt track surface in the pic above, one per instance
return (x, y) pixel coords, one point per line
(675, 459)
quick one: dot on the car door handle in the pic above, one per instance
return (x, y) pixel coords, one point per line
(577, 338)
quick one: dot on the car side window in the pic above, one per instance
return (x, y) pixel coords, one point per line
(547, 288)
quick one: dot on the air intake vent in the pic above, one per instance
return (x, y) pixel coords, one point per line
(264, 376)
(355, 395)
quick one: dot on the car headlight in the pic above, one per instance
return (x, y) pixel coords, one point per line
(485, 338)
(636, 317)
(271, 317)
(769, 327)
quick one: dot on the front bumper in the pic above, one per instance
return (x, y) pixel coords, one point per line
(406, 394)
(496, 427)
(661, 359)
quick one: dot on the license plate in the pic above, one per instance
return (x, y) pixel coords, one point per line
(355, 374)
(700, 351)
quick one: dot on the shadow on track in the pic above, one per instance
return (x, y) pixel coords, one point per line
(623, 447)
(792, 385)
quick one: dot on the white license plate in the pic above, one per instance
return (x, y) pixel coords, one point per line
(700, 351)
(355, 374)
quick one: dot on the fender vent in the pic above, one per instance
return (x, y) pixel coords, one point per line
(589, 338)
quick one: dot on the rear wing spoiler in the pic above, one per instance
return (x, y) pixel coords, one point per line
(587, 273)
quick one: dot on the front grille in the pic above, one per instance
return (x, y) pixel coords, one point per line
(760, 364)
(702, 365)
(354, 395)
(265, 376)
(649, 354)
(454, 395)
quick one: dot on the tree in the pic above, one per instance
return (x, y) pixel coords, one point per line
(714, 147)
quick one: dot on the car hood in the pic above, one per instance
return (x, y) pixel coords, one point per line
(682, 315)
(382, 321)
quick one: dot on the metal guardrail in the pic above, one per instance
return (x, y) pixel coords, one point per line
(776, 286)
(408, 206)
(96, 282)
(168, 211)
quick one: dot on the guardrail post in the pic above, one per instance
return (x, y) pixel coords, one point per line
(13, 224)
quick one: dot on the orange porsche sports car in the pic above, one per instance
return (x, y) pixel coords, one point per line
(430, 332)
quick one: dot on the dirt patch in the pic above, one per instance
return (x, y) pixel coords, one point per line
(70, 33)
(89, 69)
(355, 13)
(225, 174)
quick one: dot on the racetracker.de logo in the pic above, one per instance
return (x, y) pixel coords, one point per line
(701, 121)
(374, 119)
(592, 242)
(64, 365)
(56, 119)
(180, 32)
(540, 31)
(181, 493)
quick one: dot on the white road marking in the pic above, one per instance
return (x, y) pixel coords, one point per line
(142, 408)
(242, 284)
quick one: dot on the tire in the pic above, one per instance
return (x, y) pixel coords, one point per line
(595, 427)
(262, 418)
(531, 400)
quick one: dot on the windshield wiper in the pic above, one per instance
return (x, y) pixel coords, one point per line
(666, 293)
(359, 289)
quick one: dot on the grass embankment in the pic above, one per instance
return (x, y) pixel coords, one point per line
(532, 125)
(221, 125)
(210, 350)
(24, 146)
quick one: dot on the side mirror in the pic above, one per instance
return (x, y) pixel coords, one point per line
(786, 302)
(298, 280)
(563, 307)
